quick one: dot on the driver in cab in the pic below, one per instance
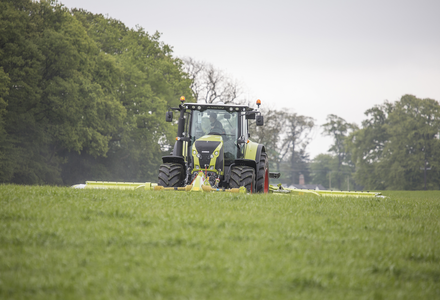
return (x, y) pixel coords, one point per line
(216, 126)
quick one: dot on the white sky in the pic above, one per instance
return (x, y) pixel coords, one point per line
(316, 57)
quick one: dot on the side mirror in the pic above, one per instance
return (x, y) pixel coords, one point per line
(259, 120)
(250, 115)
(169, 116)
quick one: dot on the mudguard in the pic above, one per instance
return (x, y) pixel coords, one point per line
(253, 152)
(173, 159)
(245, 162)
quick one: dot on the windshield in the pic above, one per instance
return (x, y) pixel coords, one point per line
(213, 121)
(219, 122)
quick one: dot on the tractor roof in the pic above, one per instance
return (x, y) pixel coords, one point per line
(226, 107)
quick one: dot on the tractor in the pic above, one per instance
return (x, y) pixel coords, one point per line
(214, 139)
(213, 153)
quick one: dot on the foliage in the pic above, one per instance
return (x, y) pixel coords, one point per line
(5, 165)
(270, 134)
(320, 167)
(299, 131)
(81, 95)
(60, 243)
(367, 145)
(395, 144)
(286, 136)
(325, 170)
(338, 129)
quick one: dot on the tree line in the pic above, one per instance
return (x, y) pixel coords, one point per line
(396, 147)
(82, 96)
(397, 144)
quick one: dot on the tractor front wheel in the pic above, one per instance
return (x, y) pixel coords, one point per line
(243, 176)
(170, 175)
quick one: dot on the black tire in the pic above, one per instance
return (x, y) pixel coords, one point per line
(170, 175)
(243, 176)
(263, 174)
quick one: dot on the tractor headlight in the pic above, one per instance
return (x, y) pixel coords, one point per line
(197, 166)
(199, 155)
(194, 152)
(216, 153)
(212, 167)
(212, 156)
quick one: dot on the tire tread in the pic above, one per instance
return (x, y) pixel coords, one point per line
(242, 176)
(170, 175)
(262, 166)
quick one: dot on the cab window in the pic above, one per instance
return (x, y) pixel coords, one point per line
(202, 124)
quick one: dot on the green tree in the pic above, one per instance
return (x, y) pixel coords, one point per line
(325, 170)
(6, 167)
(148, 81)
(367, 144)
(396, 143)
(79, 115)
(20, 61)
(339, 129)
(299, 130)
(81, 95)
(413, 129)
(320, 167)
(286, 136)
(54, 106)
(270, 134)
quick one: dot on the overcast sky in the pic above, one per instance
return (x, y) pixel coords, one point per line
(315, 57)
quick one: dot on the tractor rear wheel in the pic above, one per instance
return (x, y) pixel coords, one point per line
(263, 174)
(170, 175)
(243, 176)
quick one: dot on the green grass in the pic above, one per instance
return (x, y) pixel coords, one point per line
(61, 243)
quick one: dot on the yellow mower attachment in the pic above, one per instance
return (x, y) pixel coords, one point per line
(115, 185)
(201, 184)
(281, 190)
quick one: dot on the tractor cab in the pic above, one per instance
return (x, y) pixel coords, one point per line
(229, 126)
(214, 139)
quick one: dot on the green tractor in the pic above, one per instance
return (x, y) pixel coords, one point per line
(214, 139)
(213, 153)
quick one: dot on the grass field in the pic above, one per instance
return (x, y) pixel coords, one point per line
(61, 243)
